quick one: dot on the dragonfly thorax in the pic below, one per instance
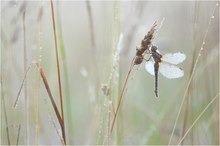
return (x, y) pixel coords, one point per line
(155, 54)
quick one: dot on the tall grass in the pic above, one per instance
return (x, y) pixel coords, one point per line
(193, 69)
(87, 91)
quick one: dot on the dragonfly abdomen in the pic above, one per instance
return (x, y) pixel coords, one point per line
(156, 68)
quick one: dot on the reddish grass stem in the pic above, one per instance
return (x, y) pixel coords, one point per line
(19, 129)
(4, 110)
(48, 91)
(58, 71)
(193, 71)
(121, 96)
(25, 85)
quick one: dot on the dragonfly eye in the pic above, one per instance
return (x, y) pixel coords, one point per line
(153, 48)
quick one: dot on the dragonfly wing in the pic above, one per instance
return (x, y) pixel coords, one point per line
(174, 58)
(170, 71)
(149, 66)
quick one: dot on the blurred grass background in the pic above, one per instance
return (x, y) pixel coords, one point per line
(88, 35)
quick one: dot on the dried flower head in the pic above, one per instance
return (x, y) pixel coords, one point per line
(145, 45)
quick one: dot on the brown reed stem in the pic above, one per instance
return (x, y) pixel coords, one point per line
(122, 93)
(19, 129)
(58, 71)
(185, 117)
(4, 109)
(93, 52)
(199, 116)
(25, 84)
(193, 71)
(46, 84)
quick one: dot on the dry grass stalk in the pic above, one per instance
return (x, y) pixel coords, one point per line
(46, 84)
(58, 71)
(193, 70)
(4, 110)
(93, 48)
(146, 43)
(199, 116)
(23, 9)
(19, 129)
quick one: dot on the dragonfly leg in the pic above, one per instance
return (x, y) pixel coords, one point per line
(148, 58)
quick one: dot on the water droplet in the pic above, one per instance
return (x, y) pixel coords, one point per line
(202, 48)
(213, 17)
(199, 54)
(83, 72)
(217, 4)
(203, 43)
(40, 56)
(15, 106)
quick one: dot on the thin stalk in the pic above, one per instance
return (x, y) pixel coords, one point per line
(192, 65)
(91, 26)
(46, 84)
(185, 117)
(19, 129)
(58, 71)
(199, 116)
(40, 14)
(193, 71)
(66, 78)
(25, 84)
(93, 50)
(121, 96)
(4, 109)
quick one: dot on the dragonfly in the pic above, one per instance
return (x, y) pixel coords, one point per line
(164, 64)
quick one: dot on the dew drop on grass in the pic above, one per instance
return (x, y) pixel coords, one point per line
(199, 54)
(217, 4)
(202, 48)
(213, 17)
(15, 106)
(203, 43)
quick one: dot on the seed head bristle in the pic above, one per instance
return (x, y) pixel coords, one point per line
(145, 45)
(146, 42)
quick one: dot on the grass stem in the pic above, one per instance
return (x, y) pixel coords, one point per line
(200, 115)
(58, 71)
(193, 71)
(4, 110)
(121, 95)
(19, 129)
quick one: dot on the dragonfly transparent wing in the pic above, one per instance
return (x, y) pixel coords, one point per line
(149, 66)
(170, 71)
(174, 58)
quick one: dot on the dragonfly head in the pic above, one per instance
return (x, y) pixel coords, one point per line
(153, 48)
